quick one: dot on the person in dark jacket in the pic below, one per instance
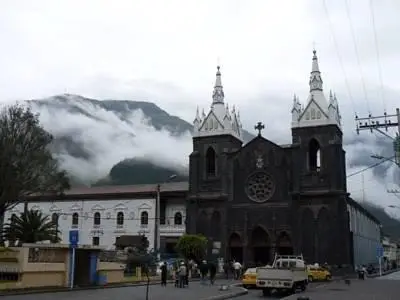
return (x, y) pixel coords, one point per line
(213, 272)
(203, 271)
(164, 272)
(226, 269)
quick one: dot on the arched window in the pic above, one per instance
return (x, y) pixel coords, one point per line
(97, 218)
(144, 218)
(75, 219)
(314, 156)
(178, 218)
(13, 218)
(210, 161)
(120, 218)
(54, 219)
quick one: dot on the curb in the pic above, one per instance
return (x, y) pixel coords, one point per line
(242, 291)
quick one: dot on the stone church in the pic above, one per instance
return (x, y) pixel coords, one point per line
(254, 200)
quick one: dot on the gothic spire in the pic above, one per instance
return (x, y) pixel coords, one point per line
(218, 93)
(315, 77)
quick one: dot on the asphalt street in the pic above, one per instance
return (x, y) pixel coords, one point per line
(195, 291)
(257, 294)
(382, 288)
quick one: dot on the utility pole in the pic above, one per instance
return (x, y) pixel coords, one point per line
(381, 124)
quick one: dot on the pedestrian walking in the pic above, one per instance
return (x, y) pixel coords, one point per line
(164, 272)
(226, 268)
(237, 269)
(182, 275)
(203, 271)
(213, 272)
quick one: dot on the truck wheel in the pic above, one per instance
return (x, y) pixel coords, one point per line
(266, 292)
(303, 286)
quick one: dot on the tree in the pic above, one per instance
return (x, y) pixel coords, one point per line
(192, 246)
(31, 227)
(26, 164)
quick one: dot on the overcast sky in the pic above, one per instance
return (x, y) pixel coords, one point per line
(167, 51)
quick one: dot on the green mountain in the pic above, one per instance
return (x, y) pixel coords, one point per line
(73, 142)
(390, 226)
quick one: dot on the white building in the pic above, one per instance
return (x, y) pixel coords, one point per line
(365, 232)
(103, 214)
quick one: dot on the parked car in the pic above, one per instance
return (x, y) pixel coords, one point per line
(317, 273)
(249, 278)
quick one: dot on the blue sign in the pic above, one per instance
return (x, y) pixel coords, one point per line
(74, 238)
(379, 251)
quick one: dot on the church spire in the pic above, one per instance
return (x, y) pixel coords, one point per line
(315, 77)
(218, 93)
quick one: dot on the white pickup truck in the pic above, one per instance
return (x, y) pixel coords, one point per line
(287, 274)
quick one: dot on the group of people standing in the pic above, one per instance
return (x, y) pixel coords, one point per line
(180, 273)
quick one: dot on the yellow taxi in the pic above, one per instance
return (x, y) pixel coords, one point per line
(317, 273)
(249, 278)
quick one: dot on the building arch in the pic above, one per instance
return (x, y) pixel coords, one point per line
(178, 218)
(235, 244)
(284, 244)
(260, 245)
(97, 218)
(120, 218)
(211, 161)
(314, 155)
(144, 218)
(75, 219)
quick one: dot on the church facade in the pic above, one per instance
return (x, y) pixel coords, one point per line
(254, 200)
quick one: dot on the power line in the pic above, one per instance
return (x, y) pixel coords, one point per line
(346, 81)
(377, 53)
(357, 53)
(370, 167)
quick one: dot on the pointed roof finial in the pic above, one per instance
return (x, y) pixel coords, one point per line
(218, 93)
(315, 77)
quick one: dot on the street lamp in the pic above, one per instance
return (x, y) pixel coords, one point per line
(157, 240)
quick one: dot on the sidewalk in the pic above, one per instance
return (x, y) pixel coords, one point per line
(156, 292)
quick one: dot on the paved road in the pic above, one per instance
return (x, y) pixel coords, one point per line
(255, 294)
(384, 288)
(156, 292)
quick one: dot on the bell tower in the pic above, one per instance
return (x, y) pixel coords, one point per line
(215, 135)
(316, 129)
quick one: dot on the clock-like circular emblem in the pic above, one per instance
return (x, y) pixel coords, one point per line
(260, 187)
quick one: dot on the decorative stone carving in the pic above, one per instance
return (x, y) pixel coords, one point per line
(260, 187)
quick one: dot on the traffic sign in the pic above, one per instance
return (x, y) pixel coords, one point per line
(379, 251)
(73, 238)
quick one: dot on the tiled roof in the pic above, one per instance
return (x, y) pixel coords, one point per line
(128, 189)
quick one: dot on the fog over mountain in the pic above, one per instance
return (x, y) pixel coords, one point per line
(93, 136)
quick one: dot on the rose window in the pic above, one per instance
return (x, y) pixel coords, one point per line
(260, 187)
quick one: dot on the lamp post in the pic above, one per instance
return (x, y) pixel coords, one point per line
(157, 240)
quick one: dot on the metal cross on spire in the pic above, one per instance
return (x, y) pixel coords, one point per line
(260, 126)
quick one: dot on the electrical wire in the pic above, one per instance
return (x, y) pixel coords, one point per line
(371, 8)
(357, 53)
(346, 81)
(370, 167)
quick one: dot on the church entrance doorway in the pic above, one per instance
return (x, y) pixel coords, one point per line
(236, 248)
(260, 245)
(284, 245)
